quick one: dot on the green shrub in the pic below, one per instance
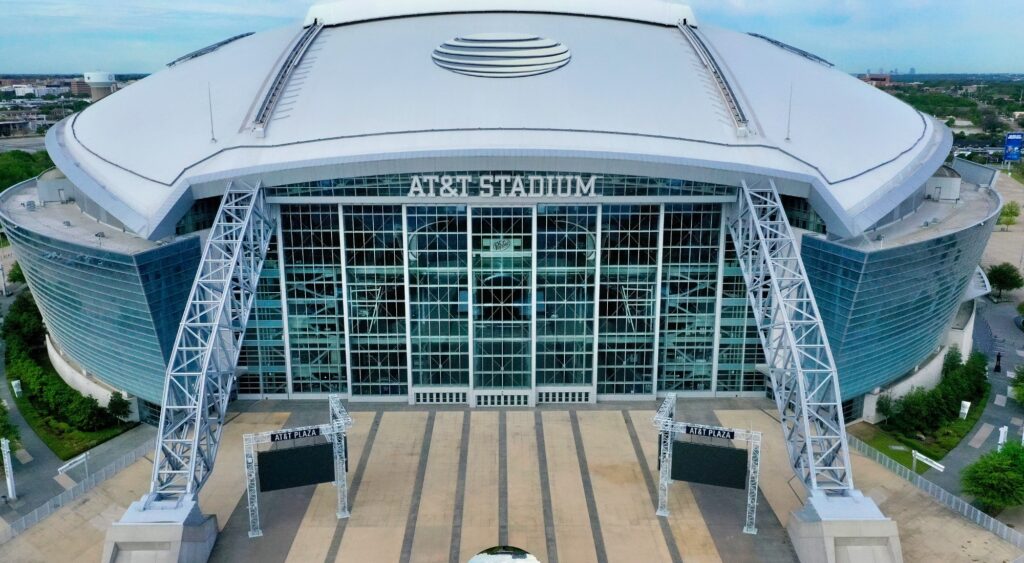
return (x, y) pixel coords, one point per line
(16, 275)
(928, 411)
(7, 428)
(119, 407)
(25, 335)
(996, 480)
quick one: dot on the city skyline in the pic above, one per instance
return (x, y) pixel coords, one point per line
(59, 36)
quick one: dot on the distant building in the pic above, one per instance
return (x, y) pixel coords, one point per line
(101, 84)
(877, 80)
(79, 87)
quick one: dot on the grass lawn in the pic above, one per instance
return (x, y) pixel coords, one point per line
(897, 446)
(67, 444)
(885, 443)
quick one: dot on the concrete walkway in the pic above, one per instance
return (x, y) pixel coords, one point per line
(35, 465)
(567, 484)
(994, 332)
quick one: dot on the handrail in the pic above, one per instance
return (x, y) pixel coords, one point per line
(266, 110)
(792, 49)
(709, 62)
(208, 49)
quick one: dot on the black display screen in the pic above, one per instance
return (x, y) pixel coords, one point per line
(295, 467)
(723, 466)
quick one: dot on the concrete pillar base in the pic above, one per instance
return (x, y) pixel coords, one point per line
(843, 529)
(173, 533)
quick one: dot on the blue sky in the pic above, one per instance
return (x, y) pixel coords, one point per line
(72, 36)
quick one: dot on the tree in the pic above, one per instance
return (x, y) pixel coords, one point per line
(16, 275)
(990, 122)
(1012, 208)
(7, 428)
(119, 407)
(1005, 277)
(1008, 214)
(1017, 385)
(996, 480)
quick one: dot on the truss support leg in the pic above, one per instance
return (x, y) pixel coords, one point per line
(665, 472)
(806, 384)
(340, 440)
(753, 474)
(665, 439)
(252, 486)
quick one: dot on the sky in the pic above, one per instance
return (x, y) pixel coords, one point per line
(127, 36)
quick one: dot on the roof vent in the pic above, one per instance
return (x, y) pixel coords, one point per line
(501, 55)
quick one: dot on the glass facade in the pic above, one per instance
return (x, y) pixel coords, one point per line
(438, 261)
(115, 314)
(566, 275)
(689, 293)
(886, 311)
(313, 283)
(388, 301)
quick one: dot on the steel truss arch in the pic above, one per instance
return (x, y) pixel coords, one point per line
(800, 363)
(201, 369)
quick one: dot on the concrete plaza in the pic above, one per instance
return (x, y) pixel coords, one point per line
(441, 484)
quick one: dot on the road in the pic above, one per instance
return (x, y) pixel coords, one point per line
(28, 144)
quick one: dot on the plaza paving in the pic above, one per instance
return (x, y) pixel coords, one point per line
(441, 484)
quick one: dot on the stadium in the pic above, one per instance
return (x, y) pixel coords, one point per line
(499, 204)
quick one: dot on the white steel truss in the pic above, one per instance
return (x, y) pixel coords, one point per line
(800, 363)
(201, 370)
(336, 431)
(668, 427)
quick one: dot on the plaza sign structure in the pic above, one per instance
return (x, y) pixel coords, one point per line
(336, 432)
(668, 427)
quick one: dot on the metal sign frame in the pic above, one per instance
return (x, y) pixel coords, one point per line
(336, 431)
(668, 427)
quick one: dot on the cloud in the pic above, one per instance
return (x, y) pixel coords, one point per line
(933, 35)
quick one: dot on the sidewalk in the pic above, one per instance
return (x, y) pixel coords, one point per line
(994, 332)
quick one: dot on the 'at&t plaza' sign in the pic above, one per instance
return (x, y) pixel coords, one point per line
(502, 185)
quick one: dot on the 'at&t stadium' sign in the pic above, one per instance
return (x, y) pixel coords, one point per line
(502, 185)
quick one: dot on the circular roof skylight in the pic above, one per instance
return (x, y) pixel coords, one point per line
(501, 55)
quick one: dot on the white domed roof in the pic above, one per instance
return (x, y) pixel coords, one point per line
(635, 89)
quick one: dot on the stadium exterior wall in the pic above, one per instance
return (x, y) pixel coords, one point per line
(331, 310)
(886, 311)
(114, 314)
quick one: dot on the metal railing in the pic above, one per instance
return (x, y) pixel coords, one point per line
(22, 524)
(946, 498)
(724, 88)
(277, 87)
